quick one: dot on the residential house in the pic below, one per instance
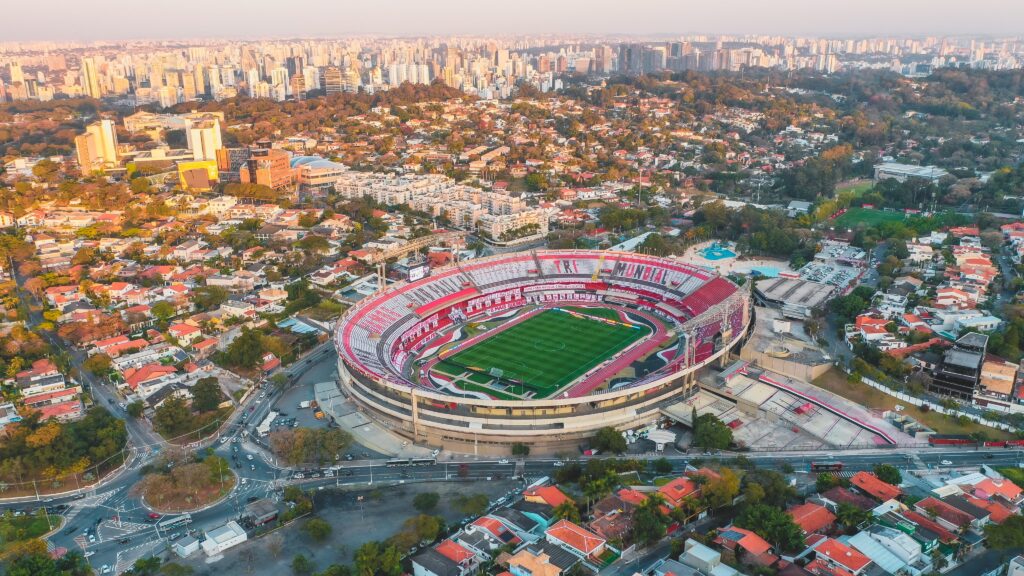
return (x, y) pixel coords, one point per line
(869, 484)
(833, 558)
(542, 559)
(581, 542)
(744, 543)
(812, 518)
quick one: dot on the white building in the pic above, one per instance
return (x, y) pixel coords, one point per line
(220, 539)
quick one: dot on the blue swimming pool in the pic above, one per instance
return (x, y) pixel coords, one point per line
(717, 252)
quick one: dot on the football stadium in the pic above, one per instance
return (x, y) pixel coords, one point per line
(541, 348)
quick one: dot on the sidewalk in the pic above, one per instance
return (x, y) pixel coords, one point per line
(369, 433)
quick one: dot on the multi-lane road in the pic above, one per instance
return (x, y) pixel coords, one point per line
(123, 530)
(114, 528)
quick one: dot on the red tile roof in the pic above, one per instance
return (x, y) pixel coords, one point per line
(811, 517)
(870, 484)
(549, 495)
(453, 551)
(843, 555)
(678, 489)
(576, 537)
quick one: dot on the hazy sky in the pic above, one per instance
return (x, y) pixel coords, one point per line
(177, 19)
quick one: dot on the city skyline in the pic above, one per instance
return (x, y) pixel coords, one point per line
(260, 19)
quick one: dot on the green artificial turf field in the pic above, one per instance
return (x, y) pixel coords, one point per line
(545, 352)
(870, 216)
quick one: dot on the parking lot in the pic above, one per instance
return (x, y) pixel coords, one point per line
(376, 517)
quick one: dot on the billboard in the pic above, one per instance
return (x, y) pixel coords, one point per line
(418, 272)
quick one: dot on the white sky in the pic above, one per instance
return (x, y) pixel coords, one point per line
(178, 19)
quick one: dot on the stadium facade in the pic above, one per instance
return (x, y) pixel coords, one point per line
(380, 339)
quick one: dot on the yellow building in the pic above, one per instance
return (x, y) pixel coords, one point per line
(198, 175)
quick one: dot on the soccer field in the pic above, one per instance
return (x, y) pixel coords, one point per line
(869, 216)
(547, 351)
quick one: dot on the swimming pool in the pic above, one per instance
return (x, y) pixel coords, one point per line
(717, 252)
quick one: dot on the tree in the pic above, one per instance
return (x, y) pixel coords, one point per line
(376, 558)
(826, 481)
(649, 522)
(722, 490)
(424, 527)
(209, 297)
(662, 466)
(317, 528)
(98, 364)
(206, 394)
(567, 511)
(163, 310)
(274, 543)
(301, 565)
(609, 439)
(850, 516)
(472, 505)
(774, 525)
(775, 487)
(172, 418)
(710, 433)
(520, 449)
(135, 409)
(426, 502)
(1009, 534)
(888, 473)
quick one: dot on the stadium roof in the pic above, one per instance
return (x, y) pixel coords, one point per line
(315, 162)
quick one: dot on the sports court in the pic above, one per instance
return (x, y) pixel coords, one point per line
(545, 352)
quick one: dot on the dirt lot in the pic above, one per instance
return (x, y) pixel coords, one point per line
(835, 381)
(378, 517)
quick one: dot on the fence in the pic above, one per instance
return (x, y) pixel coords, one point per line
(919, 402)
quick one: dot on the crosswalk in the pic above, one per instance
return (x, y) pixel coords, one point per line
(90, 501)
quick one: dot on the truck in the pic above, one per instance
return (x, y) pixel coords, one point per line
(304, 404)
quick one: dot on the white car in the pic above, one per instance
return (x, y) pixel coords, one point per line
(245, 481)
(558, 464)
(248, 456)
(503, 461)
(106, 569)
(946, 463)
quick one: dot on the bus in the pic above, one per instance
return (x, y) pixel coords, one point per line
(174, 522)
(410, 462)
(826, 466)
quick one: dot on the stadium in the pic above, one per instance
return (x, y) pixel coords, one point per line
(541, 348)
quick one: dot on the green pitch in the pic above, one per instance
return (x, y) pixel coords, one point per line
(870, 216)
(545, 352)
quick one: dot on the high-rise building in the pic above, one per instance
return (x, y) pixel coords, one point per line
(297, 84)
(332, 81)
(90, 79)
(97, 148)
(204, 138)
(268, 167)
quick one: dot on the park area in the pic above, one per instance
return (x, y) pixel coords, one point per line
(183, 485)
(859, 392)
(14, 529)
(855, 217)
(546, 352)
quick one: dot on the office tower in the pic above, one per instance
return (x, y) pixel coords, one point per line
(97, 148)
(332, 80)
(312, 76)
(203, 137)
(90, 79)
